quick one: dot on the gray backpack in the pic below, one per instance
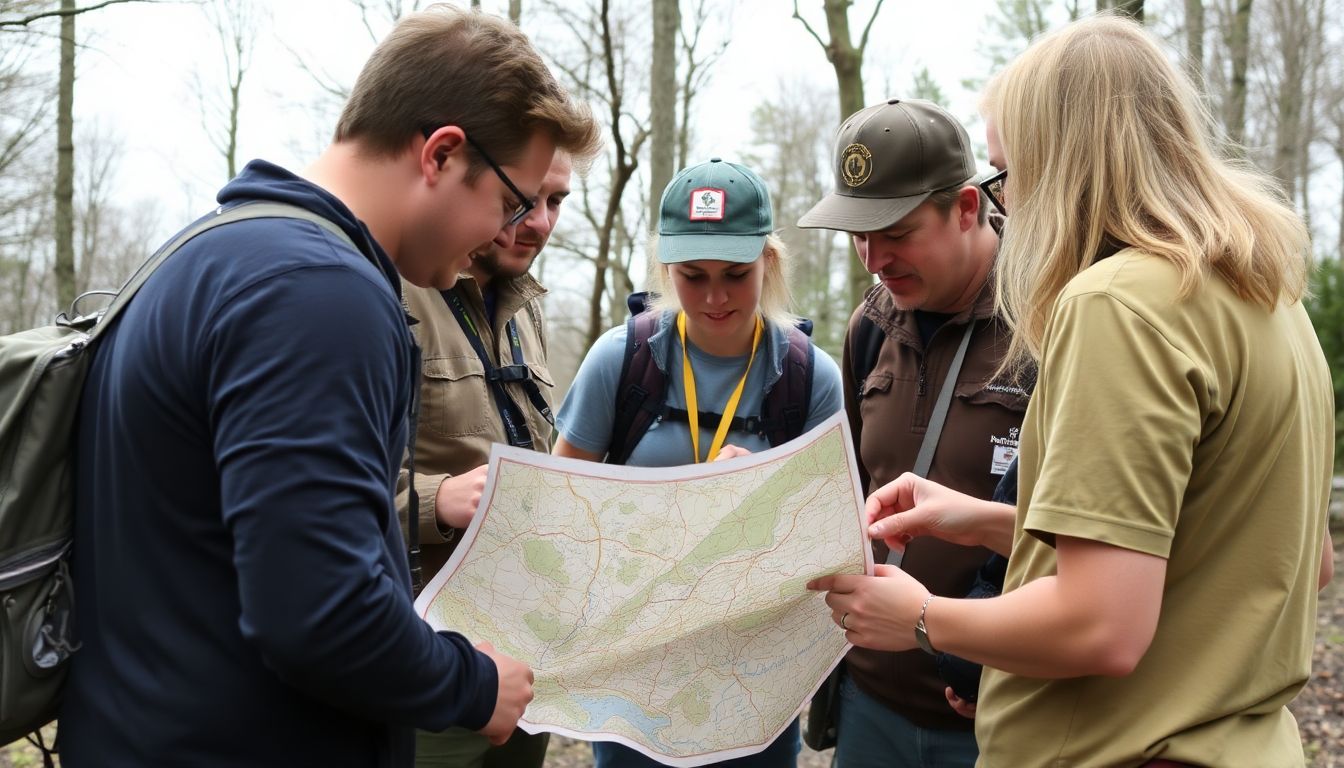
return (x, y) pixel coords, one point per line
(42, 374)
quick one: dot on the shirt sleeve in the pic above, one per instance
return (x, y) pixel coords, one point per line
(827, 393)
(1119, 417)
(588, 412)
(307, 385)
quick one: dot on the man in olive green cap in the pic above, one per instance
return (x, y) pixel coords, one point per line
(906, 194)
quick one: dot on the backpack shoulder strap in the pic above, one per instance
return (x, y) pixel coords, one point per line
(641, 390)
(221, 216)
(787, 404)
(864, 349)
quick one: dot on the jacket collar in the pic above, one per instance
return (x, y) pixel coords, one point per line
(900, 324)
(511, 293)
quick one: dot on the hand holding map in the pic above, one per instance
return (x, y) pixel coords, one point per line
(663, 608)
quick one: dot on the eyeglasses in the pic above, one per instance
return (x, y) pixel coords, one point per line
(525, 203)
(993, 189)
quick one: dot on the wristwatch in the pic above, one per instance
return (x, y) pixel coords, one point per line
(922, 634)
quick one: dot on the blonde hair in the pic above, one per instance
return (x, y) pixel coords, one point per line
(449, 66)
(776, 305)
(1109, 145)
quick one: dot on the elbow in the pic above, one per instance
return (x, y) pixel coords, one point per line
(1118, 662)
(1115, 653)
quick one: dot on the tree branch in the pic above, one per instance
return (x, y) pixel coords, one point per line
(863, 41)
(808, 27)
(67, 12)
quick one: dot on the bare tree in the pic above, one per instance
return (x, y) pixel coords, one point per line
(663, 99)
(1194, 39)
(1237, 37)
(236, 23)
(847, 60)
(1289, 79)
(600, 72)
(697, 66)
(64, 268)
(791, 149)
(22, 14)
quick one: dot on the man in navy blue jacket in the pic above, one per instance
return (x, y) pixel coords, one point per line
(243, 596)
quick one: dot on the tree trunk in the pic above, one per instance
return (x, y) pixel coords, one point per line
(663, 101)
(1288, 133)
(1133, 8)
(516, 12)
(235, 89)
(65, 163)
(1194, 41)
(622, 170)
(847, 60)
(1238, 45)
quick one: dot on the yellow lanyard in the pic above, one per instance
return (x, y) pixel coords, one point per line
(692, 411)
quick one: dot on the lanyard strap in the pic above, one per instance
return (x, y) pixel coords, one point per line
(693, 412)
(924, 459)
(515, 425)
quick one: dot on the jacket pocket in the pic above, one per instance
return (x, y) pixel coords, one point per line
(878, 382)
(454, 398)
(1009, 396)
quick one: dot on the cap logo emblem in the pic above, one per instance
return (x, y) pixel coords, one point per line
(856, 164)
(708, 204)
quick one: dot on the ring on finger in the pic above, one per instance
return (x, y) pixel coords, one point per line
(844, 616)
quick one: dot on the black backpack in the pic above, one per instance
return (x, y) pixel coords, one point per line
(641, 393)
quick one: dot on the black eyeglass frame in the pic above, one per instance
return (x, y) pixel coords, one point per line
(525, 203)
(990, 184)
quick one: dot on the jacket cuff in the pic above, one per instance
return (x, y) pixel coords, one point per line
(477, 715)
(427, 488)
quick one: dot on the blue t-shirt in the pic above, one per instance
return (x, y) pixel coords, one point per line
(586, 416)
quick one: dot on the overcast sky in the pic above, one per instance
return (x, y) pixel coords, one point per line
(136, 78)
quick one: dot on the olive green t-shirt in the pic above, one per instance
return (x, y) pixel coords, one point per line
(1200, 430)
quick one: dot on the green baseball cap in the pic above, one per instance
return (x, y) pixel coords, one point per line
(888, 159)
(714, 210)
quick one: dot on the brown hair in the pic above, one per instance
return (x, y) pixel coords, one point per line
(449, 66)
(943, 200)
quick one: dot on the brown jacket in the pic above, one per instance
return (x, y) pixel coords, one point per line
(459, 419)
(888, 413)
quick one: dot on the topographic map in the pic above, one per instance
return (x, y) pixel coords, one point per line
(662, 608)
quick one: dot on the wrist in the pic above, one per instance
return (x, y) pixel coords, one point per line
(921, 628)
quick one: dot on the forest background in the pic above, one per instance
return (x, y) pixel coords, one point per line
(119, 119)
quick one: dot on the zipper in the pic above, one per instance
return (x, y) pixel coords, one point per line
(923, 376)
(32, 565)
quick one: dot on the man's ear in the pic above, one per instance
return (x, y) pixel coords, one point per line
(968, 206)
(445, 145)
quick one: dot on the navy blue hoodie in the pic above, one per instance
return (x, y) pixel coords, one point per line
(242, 593)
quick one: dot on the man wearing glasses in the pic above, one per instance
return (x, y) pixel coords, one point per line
(906, 194)
(243, 589)
(485, 380)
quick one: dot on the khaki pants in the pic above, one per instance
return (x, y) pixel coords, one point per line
(460, 748)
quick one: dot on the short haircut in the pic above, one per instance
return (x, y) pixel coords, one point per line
(943, 200)
(449, 66)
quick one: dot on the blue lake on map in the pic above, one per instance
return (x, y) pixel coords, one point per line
(600, 709)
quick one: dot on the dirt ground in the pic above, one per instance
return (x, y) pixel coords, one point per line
(1319, 708)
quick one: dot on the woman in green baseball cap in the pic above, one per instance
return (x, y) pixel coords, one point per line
(714, 368)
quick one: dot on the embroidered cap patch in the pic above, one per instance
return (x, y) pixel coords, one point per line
(707, 204)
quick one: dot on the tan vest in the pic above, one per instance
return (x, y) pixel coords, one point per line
(459, 419)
